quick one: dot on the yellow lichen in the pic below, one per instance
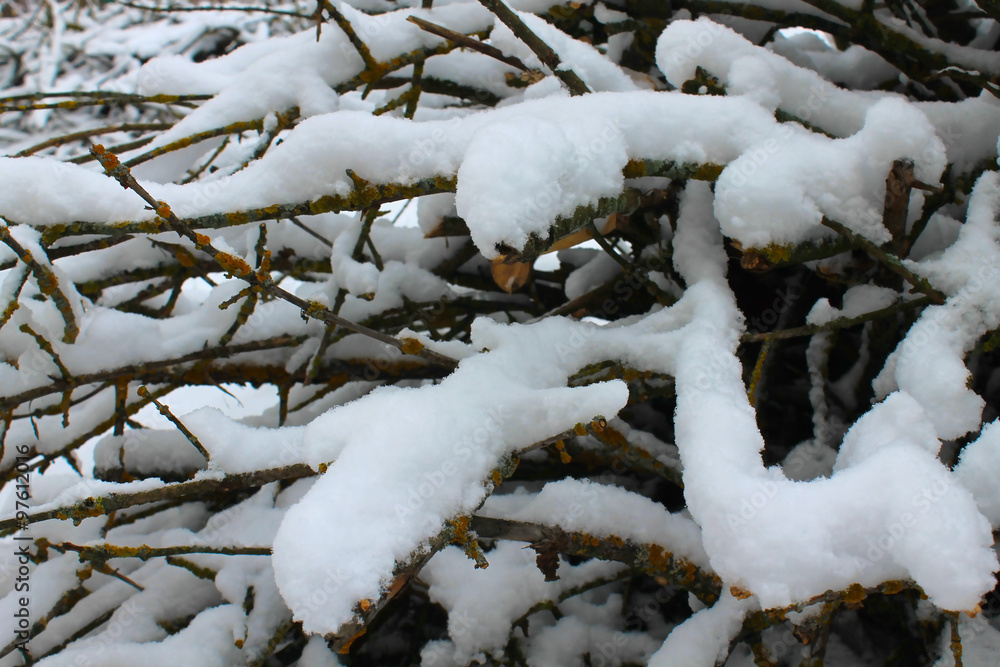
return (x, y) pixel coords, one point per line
(708, 172)
(411, 346)
(739, 593)
(893, 586)
(185, 258)
(237, 218)
(345, 649)
(460, 529)
(854, 594)
(233, 264)
(660, 560)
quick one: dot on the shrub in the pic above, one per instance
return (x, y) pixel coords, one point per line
(698, 301)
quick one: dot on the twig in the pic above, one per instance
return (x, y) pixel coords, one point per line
(91, 507)
(240, 126)
(48, 284)
(195, 172)
(103, 552)
(368, 194)
(888, 260)
(117, 148)
(468, 42)
(838, 323)
(79, 248)
(629, 269)
(364, 237)
(46, 346)
(173, 370)
(165, 411)
(102, 95)
(264, 10)
(109, 98)
(283, 121)
(538, 47)
(971, 77)
(239, 268)
(371, 64)
(83, 134)
(653, 559)
(758, 368)
(955, 643)
(311, 232)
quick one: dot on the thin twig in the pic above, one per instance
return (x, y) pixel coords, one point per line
(241, 126)
(47, 347)
(262, 281)
(538, 47)
(888, 260)
(371, 64)
(103, 552)
(109, 98)
(264, 10)
(165, 411)
(83, 134)
(838, 323)
(316, 235)
(90, 507)
(47, 281)
(462, 39)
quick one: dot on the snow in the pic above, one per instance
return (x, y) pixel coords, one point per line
(780, 192)
(858, 300)
(401, 449)
(512, 585)
(929, 362)
(595, 69)
(596, 628)
(602, 511)
(503, 401)
(203, 643)
(774, 537)
(976, 471)
(980, 643)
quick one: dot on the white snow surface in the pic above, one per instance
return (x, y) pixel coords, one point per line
(603, 511)
(397, 463)
(437, 467)
(512, 584)
(891, 510)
